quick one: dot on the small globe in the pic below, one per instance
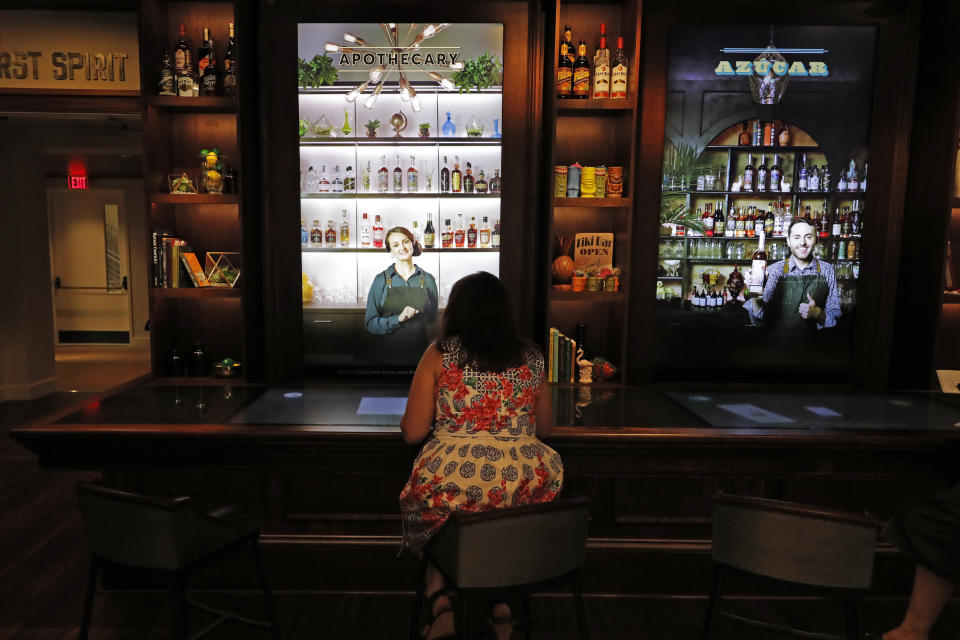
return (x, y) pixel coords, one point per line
(398, 121)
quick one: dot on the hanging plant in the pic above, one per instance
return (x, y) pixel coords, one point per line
(480, 72)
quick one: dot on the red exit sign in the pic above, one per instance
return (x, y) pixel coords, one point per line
(77, 182)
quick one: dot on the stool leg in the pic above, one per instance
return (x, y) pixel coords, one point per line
(181, 624)
(418, 600)
(581, 610)
(267, 595)
(88, 596)
(713, 606)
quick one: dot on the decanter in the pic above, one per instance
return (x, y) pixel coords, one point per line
(496, 129)
(448, 127)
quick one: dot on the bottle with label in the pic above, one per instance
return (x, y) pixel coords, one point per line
(842, 183)
(568, 40)
(446, 236)
(455, 175)
(601, 67)
(768, 223)
(350, 181)
(837, 229)
(230, 66)
(481, 184)
(415, 230)
(863, 183)
(397, 176)
(210, 76)
(344, 230)
(459, 234)
(618, 73)
(853, 184)
(468, 181)
(185, 77)
(778, 229)
(495, 234)
(383, 176)
(323, 183)
(776, 173)
(304, 234)
(787, 219)
(203, 52)
(167, 85)
(802, 177)
(824, 224)
(336, 185)
(748, 174)
(180, 52)
(707, 218)
(758, 266)
(316, 234)
(445, 177)
(377, 233)
(581, 73)
(484, 232)
(813, 180)
(719, 222)
(750, 223)
(367, 173)
(744, 138)
(495, 181)
(429, 233)
(564, 73)
(825, 178)
(472, 233)
(762, 173)
(365, 231)
(313, 182)
(413, 176)
(330, 237)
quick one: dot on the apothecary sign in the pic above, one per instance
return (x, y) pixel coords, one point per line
(67, 51)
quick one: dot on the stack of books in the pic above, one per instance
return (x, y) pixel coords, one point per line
(174, 263)
(561, 357)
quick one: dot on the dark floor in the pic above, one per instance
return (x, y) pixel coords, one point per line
(43, 567)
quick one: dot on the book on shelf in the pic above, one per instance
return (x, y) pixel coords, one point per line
(193, 269)
(561, 357)
(170, 269)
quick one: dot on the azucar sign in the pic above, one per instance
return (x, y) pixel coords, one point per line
(762, 67)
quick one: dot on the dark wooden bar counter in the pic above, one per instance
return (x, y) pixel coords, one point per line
(327, 475)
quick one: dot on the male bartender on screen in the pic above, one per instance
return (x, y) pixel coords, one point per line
(801, 292)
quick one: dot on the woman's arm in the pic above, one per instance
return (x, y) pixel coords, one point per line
(417, 420)
(543, 411)
(377, 324)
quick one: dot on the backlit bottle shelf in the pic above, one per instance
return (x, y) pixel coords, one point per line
(309, 249)
(391, 195)
(400, 142)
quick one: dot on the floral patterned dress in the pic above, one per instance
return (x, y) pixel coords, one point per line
(483, 453)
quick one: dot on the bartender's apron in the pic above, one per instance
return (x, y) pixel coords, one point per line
(789, 294)
(408, 342)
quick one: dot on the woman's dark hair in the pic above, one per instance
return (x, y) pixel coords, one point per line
(402, 231)
(803, 220)
(480, 314)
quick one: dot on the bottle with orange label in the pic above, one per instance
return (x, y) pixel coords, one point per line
(581, 73)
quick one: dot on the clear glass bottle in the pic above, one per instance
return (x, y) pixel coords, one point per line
(413, 176)
(495, 235)
(601, 67)
(313, 182)
(365, 230)
(459, 234)
(397, 176)
(484, 232)
(445, 177)
(167, 86)
(495, 181)
(344, 230)
(350, 181)
(377, 233)
(323, 184)
(415, 230)
(383, 176)
(365, 184)
(336, 185)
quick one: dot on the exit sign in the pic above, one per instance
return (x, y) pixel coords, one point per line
(77, 182)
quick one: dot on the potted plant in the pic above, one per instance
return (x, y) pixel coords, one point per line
(316, 72)
(675, 213)
(683, 162)
(424, 129)
(480, 72)
(611, 279)
(579, 280)
(372, 126)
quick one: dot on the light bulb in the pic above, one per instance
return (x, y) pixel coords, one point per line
(428, 31)
(349, 37)
(332, 47)
(370, 101)
(377, 73)
(447, 84)
(416, 104)
(405, 94)
(353, 95)
(456, 66)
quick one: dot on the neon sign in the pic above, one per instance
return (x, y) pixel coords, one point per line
(77, 182)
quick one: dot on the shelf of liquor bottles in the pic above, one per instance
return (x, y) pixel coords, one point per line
(400, 141)
(391, 195)
(595, 104)
(312, 249)
(771, 195)
(594, 203)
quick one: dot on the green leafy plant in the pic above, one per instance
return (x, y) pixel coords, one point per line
(677, 212)
(684, 160)
(480, 72)
(316, 72)
(372, 125)
(424, 126)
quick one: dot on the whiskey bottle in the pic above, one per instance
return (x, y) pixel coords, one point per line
(581, 73)
(230, 66)
(568, 40)
(444, 178)
(185, 77)
(758, 266)
(472, 233)
(397, 176)
(468, 181)
(837, 229)
(377, 233)
(601, 67)
(429, 233)
(495, 234)
(495, 181)
(446, 236)
(824, 224)
(564, 73)
(316, 234)
(618, 73)
(209, 78)
(365, 231)
(455, 175)
(459, 234)
(336, 185)
(748, 174)
(167, 85)
(484, 232)
(413, 176)
(750, 223)
(180, 51)
(344, 230)
(762, 173)
(481, 184)
(330, 237)
(768, 223)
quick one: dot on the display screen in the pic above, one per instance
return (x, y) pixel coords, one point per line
(400, 143)
(763, 200)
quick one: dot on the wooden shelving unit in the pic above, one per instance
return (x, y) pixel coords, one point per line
(592, 132)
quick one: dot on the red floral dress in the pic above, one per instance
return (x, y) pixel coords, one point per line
(483, 453)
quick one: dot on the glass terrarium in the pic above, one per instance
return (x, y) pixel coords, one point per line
(222, 268)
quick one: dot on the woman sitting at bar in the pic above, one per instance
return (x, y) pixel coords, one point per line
(478, 398)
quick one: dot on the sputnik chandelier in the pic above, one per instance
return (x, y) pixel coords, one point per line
(395, 53)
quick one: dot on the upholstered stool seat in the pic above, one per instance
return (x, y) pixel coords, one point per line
(506, 552)
(170, 535)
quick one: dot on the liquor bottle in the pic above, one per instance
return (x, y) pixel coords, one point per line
(824, 224)
(330, 237)
(484, 232)
(336, 185)
(581, 73)
(750, 223)
(748, 174)
(744, 138)
(846, 223)
(446, 236)
(813, 180)
(365, 231)
(167, 85)
(397, 176)
(758, 267)
(413, 176)
(377, 233)
(185, 77)
(853, 184)
(350, 181)
(775, 174)
(495, 181)
(472, 233)
(762, 173)
(768, 223)
(787, 219)
(495, 234)
(455, 175)
(778, 229)
(842, 183)
(568, 40)
(719, 222)
(740, 231)
(304, 234)
(312, 184)
(468, 181)
(825, 178)
(429, 233)
(180, 52)
(459, 234)
(836, 229)
(863, 183)
(316, 234)
(618, 73)
(210, 77)
(323, 184)
(601, 66)
(481, 184)
(707, 219)
(564, 73)
(204, 51)
(366, 178)
(383, 176)
(444, 177)
(802, 177)
(415, 230)
(730, 228)
(344, 230)
(230, 66)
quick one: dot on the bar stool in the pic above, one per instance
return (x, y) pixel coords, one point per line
(828, 553)
(168, 535)
(507, 552)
